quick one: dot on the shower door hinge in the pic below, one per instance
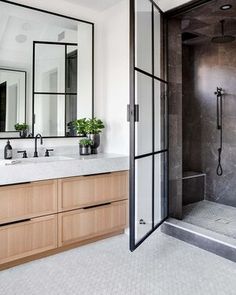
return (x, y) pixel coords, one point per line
(134, 112)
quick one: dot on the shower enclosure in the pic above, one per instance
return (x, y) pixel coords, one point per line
(182, 169)
(202, 116)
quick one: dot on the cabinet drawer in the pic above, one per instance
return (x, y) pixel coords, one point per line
(79, 192)
(84, 224)
(27, 200)
(28, 238)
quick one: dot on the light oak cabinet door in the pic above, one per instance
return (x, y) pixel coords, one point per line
(78, 225)
(80, 192)
(24, 201)
(28, 238)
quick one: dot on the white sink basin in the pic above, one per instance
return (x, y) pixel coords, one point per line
(34, 160)
(44, 159)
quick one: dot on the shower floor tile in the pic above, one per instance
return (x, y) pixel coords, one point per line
(213, 216)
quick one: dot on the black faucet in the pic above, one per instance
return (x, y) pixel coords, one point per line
(35, 144)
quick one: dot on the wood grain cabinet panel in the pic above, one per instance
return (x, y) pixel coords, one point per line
(23, 201)
(79, 192)
(84, 224)
(28, 238)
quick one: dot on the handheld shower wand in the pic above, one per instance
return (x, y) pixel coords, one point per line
(219, 114)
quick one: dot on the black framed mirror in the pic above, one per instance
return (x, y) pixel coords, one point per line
(56, 55)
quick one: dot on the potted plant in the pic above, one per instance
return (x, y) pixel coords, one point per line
(22, 128)
(80, 126)
(93, 129)
(85, 146)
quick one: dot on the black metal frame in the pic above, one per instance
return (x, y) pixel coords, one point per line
(133, 108)
(133, 116)
(93, 52)
(64, 44)
(25, 74)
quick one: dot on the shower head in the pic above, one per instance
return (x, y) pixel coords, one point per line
(223, 38)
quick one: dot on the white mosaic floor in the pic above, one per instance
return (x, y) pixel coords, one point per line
(213, 216)
(161, 266)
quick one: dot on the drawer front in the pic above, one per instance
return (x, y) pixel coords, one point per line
(28, 238)
(79, 192)
(23, 201)
(78, 225)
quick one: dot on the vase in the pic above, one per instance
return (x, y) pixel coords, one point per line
(23, 133)
(96, 142)
(84, 150)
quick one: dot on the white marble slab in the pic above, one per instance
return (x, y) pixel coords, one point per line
(71, 165)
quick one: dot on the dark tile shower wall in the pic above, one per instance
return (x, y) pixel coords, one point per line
(205, 67)
(175, 117)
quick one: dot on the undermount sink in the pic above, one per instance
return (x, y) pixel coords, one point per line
(34, 160)
(45, 159)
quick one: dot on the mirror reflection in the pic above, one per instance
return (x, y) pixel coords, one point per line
(12, 99)
(56, 55)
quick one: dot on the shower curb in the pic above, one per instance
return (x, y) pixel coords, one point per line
(218, 244)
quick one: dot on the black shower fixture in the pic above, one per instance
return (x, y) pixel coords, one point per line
(226, 7)
(223, 38)
(219, 118)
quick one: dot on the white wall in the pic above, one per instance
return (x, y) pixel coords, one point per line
(112, 76)
(169, 4)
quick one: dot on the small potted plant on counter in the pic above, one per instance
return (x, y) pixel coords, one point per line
(85, 146)
(22, 128)
(80, 126)
(93, 129)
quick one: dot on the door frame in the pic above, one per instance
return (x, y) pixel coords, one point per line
(132, 113)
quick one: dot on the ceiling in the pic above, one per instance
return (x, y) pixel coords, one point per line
(98, 5)
(205, 21)
(169, 4)
(20, 27)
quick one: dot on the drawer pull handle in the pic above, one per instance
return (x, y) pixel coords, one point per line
(89, 175)
(15, 222)
(95, 206)
(15, 184)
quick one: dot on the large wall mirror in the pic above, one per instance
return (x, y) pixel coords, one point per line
(46, 72)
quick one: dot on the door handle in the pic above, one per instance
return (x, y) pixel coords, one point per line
(134, 112)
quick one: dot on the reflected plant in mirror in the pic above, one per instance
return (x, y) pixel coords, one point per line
(22, 128)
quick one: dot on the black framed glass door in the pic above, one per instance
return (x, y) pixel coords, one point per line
(148, 122)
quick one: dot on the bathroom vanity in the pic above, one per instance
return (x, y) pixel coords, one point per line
(73, 207)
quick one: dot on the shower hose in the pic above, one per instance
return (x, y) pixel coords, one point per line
(219, 170)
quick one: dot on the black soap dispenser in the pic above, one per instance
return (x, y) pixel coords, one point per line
(8, 151)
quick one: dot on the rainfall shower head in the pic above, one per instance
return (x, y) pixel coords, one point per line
(223, 38)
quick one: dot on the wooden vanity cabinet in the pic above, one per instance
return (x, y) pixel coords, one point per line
(28, 200)
(28, 238)
(83, 191)
(45, 217)
(84, 224)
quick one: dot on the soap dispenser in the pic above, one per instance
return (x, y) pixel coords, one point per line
(8, 151)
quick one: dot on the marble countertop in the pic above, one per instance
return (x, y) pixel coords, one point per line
(68, 166)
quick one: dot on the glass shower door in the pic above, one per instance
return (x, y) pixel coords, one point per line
(148, 128)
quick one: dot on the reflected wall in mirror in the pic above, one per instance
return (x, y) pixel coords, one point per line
(12, 99)
(56, 54)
